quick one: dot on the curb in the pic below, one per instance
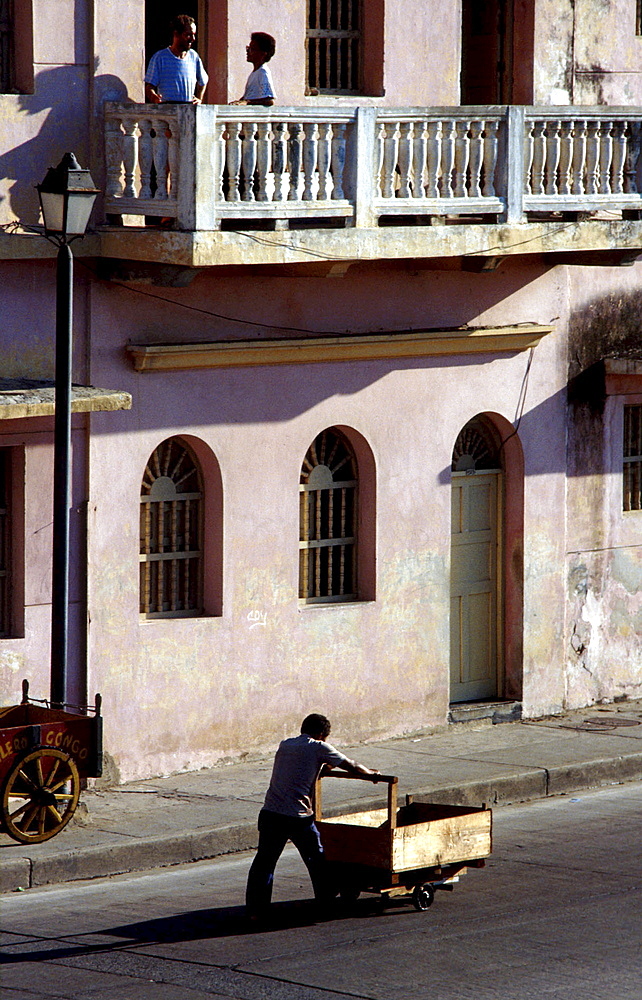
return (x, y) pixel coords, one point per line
(198, 845)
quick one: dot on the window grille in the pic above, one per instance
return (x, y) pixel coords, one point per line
(632, 458)
(170, 533)
(333, 46)
(638, 17)
(5, 543)
(6, 46)
(328, 516)
(475, 450)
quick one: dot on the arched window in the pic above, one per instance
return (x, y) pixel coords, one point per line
(171, 568)
(476, 449)
(328, 520)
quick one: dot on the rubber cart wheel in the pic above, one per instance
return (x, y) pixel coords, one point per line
(423, 896)
(349, 894)
(40, 795)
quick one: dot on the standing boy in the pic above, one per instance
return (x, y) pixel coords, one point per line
(176, 75)
(259, 88)
(287, 813)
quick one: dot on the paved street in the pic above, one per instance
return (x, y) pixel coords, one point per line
(557, 913)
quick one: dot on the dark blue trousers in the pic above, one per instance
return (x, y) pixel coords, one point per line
(274, 832)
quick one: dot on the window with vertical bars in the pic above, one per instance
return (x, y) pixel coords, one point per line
(170, 533)
(632, 458)
(6, 46)
(333, 46)
(328, 521)
(638, 17)
(5, 543)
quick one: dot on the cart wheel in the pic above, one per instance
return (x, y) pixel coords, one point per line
(423, 896)
(40, 795)
(349, 894)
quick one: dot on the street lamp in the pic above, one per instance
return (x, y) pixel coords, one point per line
(67, 197)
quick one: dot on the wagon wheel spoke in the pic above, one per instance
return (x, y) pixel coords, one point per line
(41, 780)
(23, 774)
(63, 781)
(17, 812)
(54, 812)
(62, 796)
(28, 818)
(52, 774)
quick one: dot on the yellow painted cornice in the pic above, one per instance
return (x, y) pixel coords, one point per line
(349, 347)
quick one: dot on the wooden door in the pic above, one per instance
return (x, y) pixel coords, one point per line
(474, 605)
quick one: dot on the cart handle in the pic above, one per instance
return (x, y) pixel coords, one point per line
(389, 779)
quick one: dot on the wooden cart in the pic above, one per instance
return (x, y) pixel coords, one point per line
(409, 851)
(44, 754)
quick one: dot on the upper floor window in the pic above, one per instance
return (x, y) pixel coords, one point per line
(328, 520)
(334, 46)
(6, 46)
(632, 458)
(171, 563)
(638, 17)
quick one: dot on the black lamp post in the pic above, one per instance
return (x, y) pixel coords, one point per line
(67, 197)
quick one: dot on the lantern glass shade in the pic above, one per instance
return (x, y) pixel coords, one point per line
(67, 197)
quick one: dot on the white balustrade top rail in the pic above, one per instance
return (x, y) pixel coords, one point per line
(201, 165)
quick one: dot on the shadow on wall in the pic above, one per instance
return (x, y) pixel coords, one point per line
(609, 326)
(59, 104)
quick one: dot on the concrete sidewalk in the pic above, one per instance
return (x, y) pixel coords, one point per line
(186, 817)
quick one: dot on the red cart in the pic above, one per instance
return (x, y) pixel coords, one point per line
(44, 754)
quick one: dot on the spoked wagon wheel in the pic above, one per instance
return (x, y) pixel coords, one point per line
(40, 795)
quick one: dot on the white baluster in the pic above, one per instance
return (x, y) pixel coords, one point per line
(113, 157)
(539, 157)
(592, 158)
(634, 131)
(579, 156)
(264, 158)
(145, 157)
(566, 157)
(552, 155)
(296, 160)
(433, 158)
(419, 159)
(606, 157)
(379, 156)
(130, 154)
(233, 157)
(619, 157)
(219, 159)
(490, 158)
(279, 154)
(529, 154)
(447, 158)
(249, 159)
(159, 148)
(462, 151)
(338, 159)
(406, 130)
(476, 152)
(390, 157)
(310, 160)
(172, 161)
(324, 156)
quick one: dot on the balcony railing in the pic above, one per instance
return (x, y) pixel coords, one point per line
(209, 165)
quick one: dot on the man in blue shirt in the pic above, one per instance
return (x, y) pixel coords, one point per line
(176, 75)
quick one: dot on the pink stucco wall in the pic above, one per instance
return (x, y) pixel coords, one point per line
(182, 693)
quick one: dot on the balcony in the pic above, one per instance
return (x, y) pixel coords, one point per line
(367, 183)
